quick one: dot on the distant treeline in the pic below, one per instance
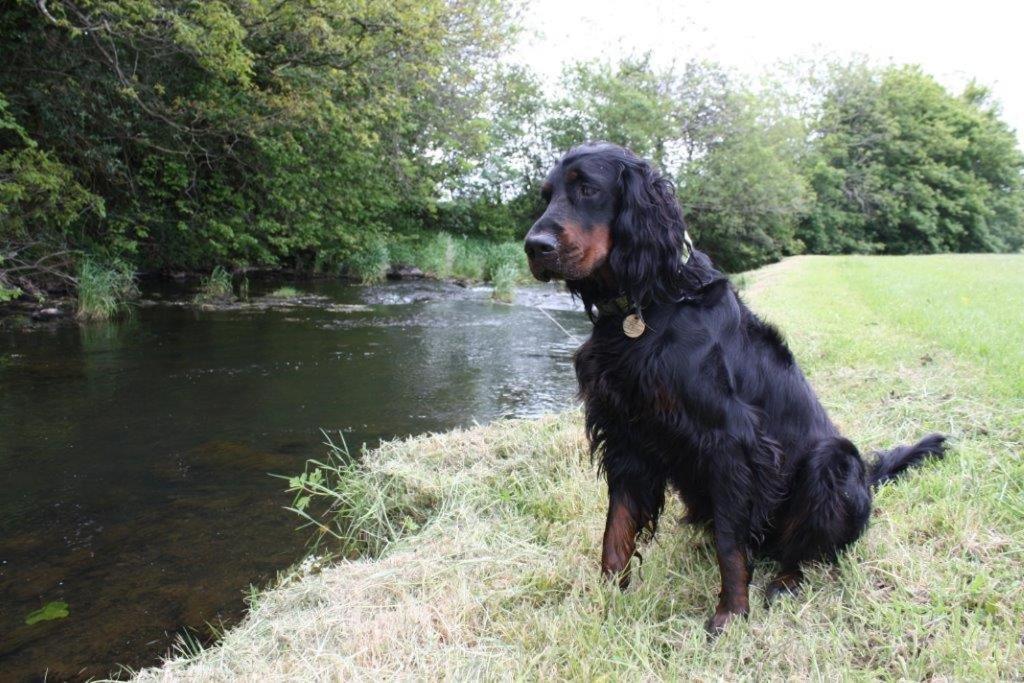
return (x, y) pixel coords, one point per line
(163, 135)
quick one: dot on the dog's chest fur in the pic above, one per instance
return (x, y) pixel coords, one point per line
(648, 382)
(697, 372)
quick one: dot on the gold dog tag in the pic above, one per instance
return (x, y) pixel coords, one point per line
(633, 326)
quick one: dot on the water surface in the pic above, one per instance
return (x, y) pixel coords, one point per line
(134, 457)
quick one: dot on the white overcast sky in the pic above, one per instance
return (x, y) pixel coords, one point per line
(953, 41)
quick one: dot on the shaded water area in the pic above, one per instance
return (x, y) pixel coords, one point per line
(134, 456)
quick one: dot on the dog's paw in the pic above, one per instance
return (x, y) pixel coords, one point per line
(719, 620)
(786, 584)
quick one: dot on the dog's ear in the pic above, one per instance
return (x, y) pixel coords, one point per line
(647, 237)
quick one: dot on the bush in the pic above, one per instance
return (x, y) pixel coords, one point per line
(104, 290)
(369, 263)
(216, 287)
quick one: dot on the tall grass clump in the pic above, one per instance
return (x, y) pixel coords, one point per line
(355, 513)
(470, 259)
(442, 255)
(370, 262)
(404, 250)
(215, 287)
(504, 279)
(505, 254)
(437, 255)
(104, 290)
(504, 268)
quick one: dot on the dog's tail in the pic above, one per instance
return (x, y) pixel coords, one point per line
(890, 464)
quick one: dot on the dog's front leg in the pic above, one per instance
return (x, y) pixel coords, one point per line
(636, 496)
(620, 531)
(734, 567)
(731, 518)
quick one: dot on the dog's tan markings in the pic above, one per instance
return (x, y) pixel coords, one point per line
(599, 244)
(734, 599)
(620, 532)
(571, 238)
(585, 249)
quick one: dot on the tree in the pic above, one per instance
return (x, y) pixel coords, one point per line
(902, 166)
(40, 205)
(251, 132)
(497, 193)
(731, 150)
(739, 178)
(628, 103)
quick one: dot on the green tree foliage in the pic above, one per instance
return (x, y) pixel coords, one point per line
(333, 134)
(732, 151)
(249, 131)
(740, 182)
(496, 192)
(41, 204)
(902, 166)
(868, 160)
(630, 104)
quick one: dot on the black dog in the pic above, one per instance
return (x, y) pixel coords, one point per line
(684, 386)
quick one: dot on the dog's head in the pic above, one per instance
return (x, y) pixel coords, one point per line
(610, 217)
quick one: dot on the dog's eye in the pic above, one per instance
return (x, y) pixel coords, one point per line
(587, 190)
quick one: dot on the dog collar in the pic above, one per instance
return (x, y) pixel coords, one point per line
(617, 306)
(633, 324)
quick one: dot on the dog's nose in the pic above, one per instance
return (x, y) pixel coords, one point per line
(540, 244)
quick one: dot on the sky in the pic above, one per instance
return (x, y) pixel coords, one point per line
(952, 41)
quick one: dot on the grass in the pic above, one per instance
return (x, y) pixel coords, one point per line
(104, 290)
(504, 278)
(444, 256)
(284, 293)
(215, 287)
(505, 267)
(437, 254)
(476, 550)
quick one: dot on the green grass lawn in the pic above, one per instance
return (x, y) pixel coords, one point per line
(487, 539)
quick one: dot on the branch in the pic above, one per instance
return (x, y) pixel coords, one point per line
(41, 4)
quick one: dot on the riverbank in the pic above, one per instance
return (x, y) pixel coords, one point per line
(485, 540)
(109, 291)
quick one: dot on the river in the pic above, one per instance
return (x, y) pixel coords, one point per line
(135, 456)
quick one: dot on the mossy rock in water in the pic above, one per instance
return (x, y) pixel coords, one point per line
(49, 612)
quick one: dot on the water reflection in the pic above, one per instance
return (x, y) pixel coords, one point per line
(134, 456)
